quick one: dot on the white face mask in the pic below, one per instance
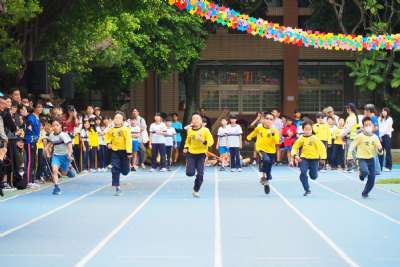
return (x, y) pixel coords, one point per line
(368, 129)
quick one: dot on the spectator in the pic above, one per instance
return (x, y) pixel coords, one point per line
(144, 138)
(32, 134)
(385, 134)
(3, 142)
(15, 95)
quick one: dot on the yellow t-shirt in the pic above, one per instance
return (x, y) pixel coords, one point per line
(366, 146)
(93, 138)
(323, 132)
(267, 139)
(337, 136)
(311, 147)
(120, 139)
(192, 143)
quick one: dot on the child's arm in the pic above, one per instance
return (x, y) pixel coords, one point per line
(352, 147)
(252, 135)
(209, 138)
(321, 149)
(276, 136)
(187, 142)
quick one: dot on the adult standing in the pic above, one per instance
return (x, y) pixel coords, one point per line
(330, 112)
(350, 131)
(385, 134)
(144, 136)
(32, 134)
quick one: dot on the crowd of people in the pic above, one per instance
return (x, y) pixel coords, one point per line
(40, 141)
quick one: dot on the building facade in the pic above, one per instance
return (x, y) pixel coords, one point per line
(247, 74)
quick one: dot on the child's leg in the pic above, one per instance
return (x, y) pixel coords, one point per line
(154, 152)
(238, 164)
(364, 170)
(371, 177)
(303, 174)
(199, 165)
(125, 168)
(190, 165)
(116, 168)
(168, 152)
(313, 168)
(232, 157)
(55, 174)
(269, 166)
(341, 156)
(162, 156)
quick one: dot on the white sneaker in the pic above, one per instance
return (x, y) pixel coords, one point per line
(233, 170)
(93, 170)
(254, 163)
(196, 194)
(84, 172)
(143, 166)
(387, 170)
(152, 170)
(239, 170)
(163, 170)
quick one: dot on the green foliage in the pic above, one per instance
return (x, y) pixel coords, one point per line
(396, 76)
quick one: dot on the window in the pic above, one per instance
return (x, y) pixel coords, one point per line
(246, 90)
(304, 3)
(320, 87)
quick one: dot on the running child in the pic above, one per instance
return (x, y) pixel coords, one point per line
(198, 140)
(234, 133)
(312, 152)
(61, 144)
(222, 144)
(367, 146)
(266, 146)
(119, 140)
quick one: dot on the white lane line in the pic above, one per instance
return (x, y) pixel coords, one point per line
(377, 186)
(41, 188)
(218, 262)
(41, 217)
(358, 203)
(123, 223)
(340, 252)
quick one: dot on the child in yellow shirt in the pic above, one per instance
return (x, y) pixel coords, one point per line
(338, 146)
(267, 139)
(323, 132)
(198, 140)
(312, 152)
(119, 140)
(93, 139)
(367, 146)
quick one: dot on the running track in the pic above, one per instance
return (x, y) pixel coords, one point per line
(158, 223)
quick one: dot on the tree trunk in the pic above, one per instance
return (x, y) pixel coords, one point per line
(190, 79)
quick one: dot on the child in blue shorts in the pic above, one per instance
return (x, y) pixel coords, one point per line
(62, 153)
(222, 144)
(135, 132)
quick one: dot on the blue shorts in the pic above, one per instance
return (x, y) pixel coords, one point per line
(223, 150)
(177, 144)
(135, 145)
(61, 162)
(287, 148)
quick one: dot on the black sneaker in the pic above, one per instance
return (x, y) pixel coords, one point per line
(1, 192)
(267, 189)
(307, 193)
(361, 178)
(364, 195)
(133, 169)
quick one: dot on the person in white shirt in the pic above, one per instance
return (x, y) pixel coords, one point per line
(144, 137)
(170, 136)
(278, 124)
(135, 133)
(222, 143)
(234, 133)
(158, 130)
(330, 113)
(385, 135)
(101, 129)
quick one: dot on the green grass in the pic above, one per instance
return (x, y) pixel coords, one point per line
(389, 181)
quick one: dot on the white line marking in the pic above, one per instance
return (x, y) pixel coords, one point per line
(323, 236)
(377, 186)
(124, 222)
(288, 258)
(42, 188)
(218, 262)
(377, 212)
(358, 203)
(36, 219)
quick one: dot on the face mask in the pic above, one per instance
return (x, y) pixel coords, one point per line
(368, 129)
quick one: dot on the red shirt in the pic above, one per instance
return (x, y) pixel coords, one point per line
(289, 141)
(69, 126)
